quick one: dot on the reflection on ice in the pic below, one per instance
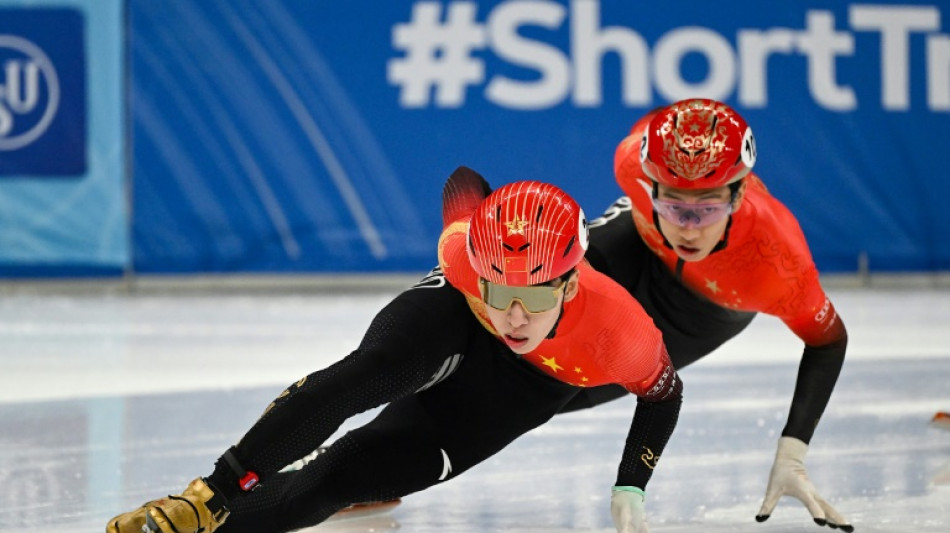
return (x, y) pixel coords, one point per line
(108, 401)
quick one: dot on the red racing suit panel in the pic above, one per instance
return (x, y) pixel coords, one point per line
(767, 266)
(603, 336)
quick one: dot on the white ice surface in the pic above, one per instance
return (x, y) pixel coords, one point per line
(92, 384)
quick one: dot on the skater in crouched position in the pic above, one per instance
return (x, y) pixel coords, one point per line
(703, 246)
(464, 367)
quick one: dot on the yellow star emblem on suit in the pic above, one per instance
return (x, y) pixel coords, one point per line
(713, 286)
(516, 226)
(551, 363)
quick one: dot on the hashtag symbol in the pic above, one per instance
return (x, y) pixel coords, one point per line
(437, 54)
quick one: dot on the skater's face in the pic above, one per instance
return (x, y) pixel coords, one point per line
(524, 321)
(693, 220)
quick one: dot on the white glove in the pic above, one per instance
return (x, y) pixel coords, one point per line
(789, 478)
(626, 508)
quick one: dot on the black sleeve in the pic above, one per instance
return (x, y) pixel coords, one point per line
(817, 376)
(653, 424)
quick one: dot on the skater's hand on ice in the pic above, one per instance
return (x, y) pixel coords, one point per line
(626, 508)
(789, 478)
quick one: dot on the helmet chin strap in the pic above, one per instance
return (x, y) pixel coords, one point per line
(553, 331)
(566, 277)
(725, 237)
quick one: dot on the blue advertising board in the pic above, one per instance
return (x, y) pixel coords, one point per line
(299, 136)
(63, 201)
(42, 92)
(316, 136)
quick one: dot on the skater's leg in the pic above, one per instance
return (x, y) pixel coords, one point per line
(398, 356)
(415, 442)
(392, 456)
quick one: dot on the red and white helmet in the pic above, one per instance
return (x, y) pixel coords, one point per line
(526, 233)
(694, 144)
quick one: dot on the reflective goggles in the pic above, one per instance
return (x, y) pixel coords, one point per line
(686, 215)
(534, 299)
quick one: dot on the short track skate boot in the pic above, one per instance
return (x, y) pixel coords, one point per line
(196, 510)
(130, 522)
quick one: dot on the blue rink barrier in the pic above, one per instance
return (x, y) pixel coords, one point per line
(300, 136)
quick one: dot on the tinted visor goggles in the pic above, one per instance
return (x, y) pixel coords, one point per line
(686, 215)
(534, 299)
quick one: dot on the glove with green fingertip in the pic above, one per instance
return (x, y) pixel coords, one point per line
(627, 510)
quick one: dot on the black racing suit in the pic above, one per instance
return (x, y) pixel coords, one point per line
(456, 395)
(692, 326)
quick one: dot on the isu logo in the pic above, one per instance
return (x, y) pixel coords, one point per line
(29, 92)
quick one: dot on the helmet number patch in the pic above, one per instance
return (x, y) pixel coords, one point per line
(748, 148)
(643, 148)
(582, 236)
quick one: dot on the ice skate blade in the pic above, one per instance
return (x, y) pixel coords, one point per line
(365, 510)
(149, 526)
(941, 420)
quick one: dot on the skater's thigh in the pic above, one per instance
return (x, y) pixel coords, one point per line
(492, 400)
(436, 435)
(392, 456)
(399, 450)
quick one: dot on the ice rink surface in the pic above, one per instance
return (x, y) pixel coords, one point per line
(112, 397)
